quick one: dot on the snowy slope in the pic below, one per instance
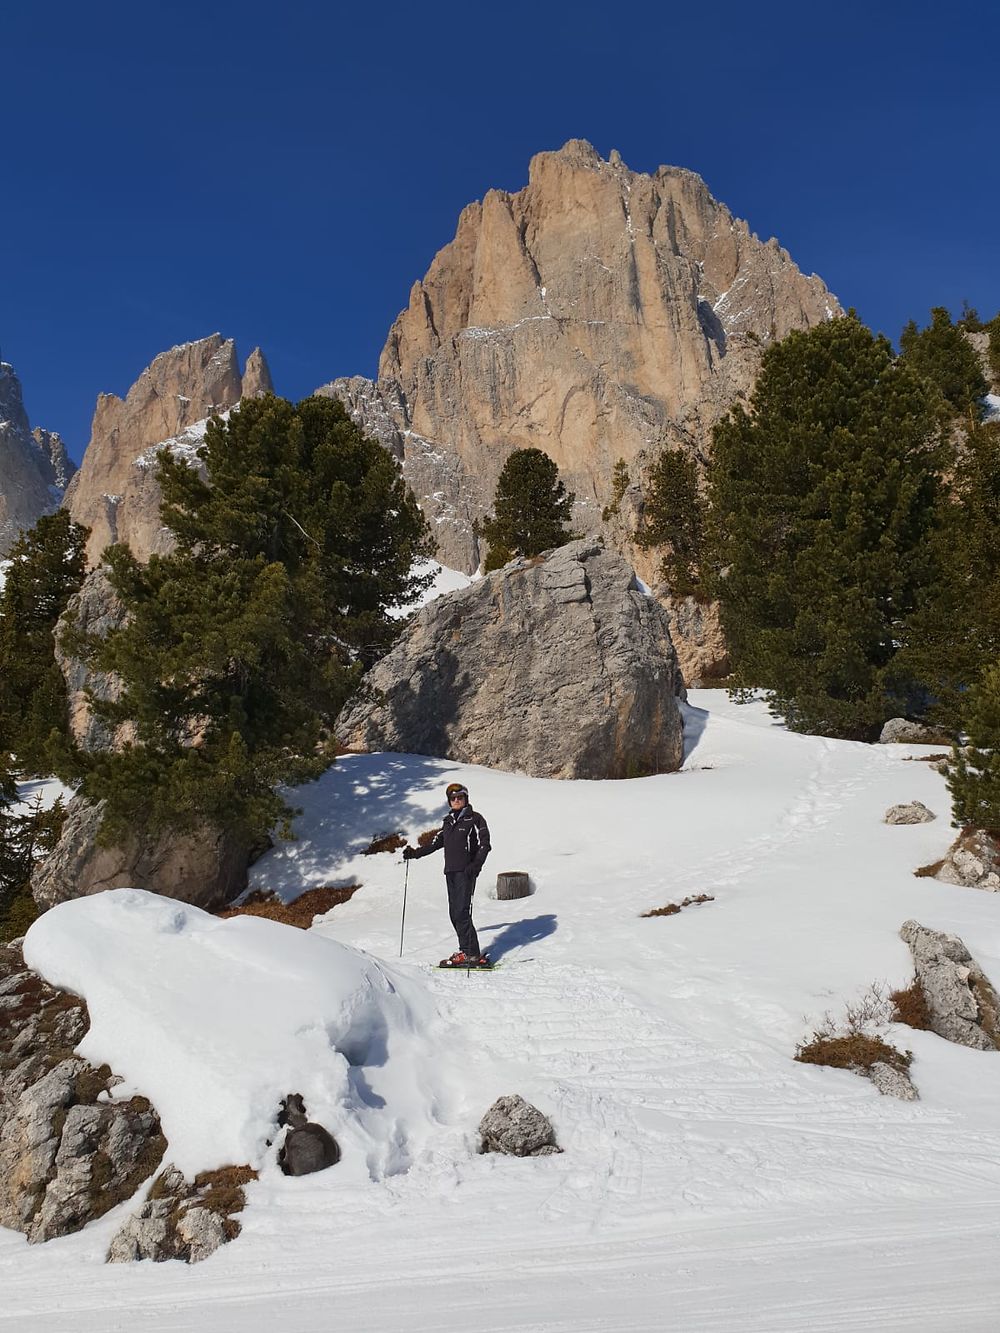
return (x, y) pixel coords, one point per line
(708, 1181)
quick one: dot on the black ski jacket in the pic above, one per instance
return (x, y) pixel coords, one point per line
(465, 839)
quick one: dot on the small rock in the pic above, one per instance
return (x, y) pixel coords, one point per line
(893, 1082)
(515, 1127)
(973, 862)
(914, 812)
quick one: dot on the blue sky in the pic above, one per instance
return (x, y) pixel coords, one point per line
(283, 174)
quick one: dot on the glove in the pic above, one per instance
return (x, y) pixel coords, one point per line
(409, 853)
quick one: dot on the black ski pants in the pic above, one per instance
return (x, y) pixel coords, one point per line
(461, 886)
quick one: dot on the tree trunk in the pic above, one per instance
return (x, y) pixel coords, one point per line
(512, 884)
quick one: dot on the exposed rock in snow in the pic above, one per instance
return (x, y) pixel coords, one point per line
(913, 812)
(556, 666)
(973, 861)
(963, 1005)
(892, 1082)
(515, 1127)
(67, 1153)
(901, 731)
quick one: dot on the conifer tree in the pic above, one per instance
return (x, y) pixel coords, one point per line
(821, 499)
(943, 355)
(531, 509)
(993, 352)
(47, 566)
(974, 771)
(241, 645)
(954, 634)
(674, 520)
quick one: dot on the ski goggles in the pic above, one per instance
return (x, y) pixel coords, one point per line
(455, 789)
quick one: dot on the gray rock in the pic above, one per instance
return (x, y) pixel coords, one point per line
(914, 812)
(893, 1082)
(515, 1127)
(66, 1157)
(307, 1147)
(900, 731)
(973, 862)
(180, 1219)
(962, 1003)
(556, 666)
(206, 866)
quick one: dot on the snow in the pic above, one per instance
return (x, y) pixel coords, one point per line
(992, 402)
(708, 1182)
(4, 566)
(445, 580)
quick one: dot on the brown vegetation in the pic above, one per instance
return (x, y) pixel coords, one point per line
(300, 912)
(909, 1006)
(671, 909)
(427, 837)
(384, 842)
(853, 1050)
(929, 871)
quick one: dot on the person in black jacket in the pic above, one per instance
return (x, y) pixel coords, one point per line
(466, 842)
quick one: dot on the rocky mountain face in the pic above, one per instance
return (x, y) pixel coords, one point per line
(115, 492)
(34, 466)
(556, 666)
(597, 314)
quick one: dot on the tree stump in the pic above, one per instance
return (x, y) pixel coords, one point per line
(512, 884)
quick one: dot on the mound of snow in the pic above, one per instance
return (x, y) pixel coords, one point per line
(217, 1020)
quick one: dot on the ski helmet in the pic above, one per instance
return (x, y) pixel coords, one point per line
(456, 789)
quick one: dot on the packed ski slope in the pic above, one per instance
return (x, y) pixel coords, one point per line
(708, 1181)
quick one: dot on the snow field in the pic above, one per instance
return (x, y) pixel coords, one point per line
(708, 1181)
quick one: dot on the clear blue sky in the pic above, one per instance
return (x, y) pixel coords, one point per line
(283, 173)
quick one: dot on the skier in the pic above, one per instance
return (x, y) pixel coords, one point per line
(466, 842)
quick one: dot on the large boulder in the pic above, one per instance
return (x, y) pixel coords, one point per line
(205, 866)
(556, 666)
(516, 1128)
(961, 1002)
(68, 1154)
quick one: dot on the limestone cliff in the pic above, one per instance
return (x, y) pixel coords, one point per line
(115, 491)
(596, 314)
(34, 465)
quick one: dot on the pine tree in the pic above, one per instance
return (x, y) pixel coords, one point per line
(974, 772)
(945, 357)
(993, 329)
(954, 634)
(242, 644)
(821, 500)
(531, 509)
(47, 566)
(674, 520)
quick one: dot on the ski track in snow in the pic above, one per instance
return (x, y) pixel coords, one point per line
(708, 1183)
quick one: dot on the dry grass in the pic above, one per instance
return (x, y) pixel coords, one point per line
(427, 837)
(855, 1041)
(300, 912)
(384, 842)
(852, 1050)
(672, 909)
(926, 758)
(909, 1006)
(929, 871)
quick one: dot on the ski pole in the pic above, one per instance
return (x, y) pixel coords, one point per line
(402, 924)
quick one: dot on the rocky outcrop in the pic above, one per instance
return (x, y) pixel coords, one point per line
(962, 1005)
(182, 1219)
(973, 861)
(206, 867)
(34, 466)
(115, 492)
(913, 812)
(901, 731)
(556, 666)
(95, 610)
(518, 1129)
(596, 314)
(68, 1153)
